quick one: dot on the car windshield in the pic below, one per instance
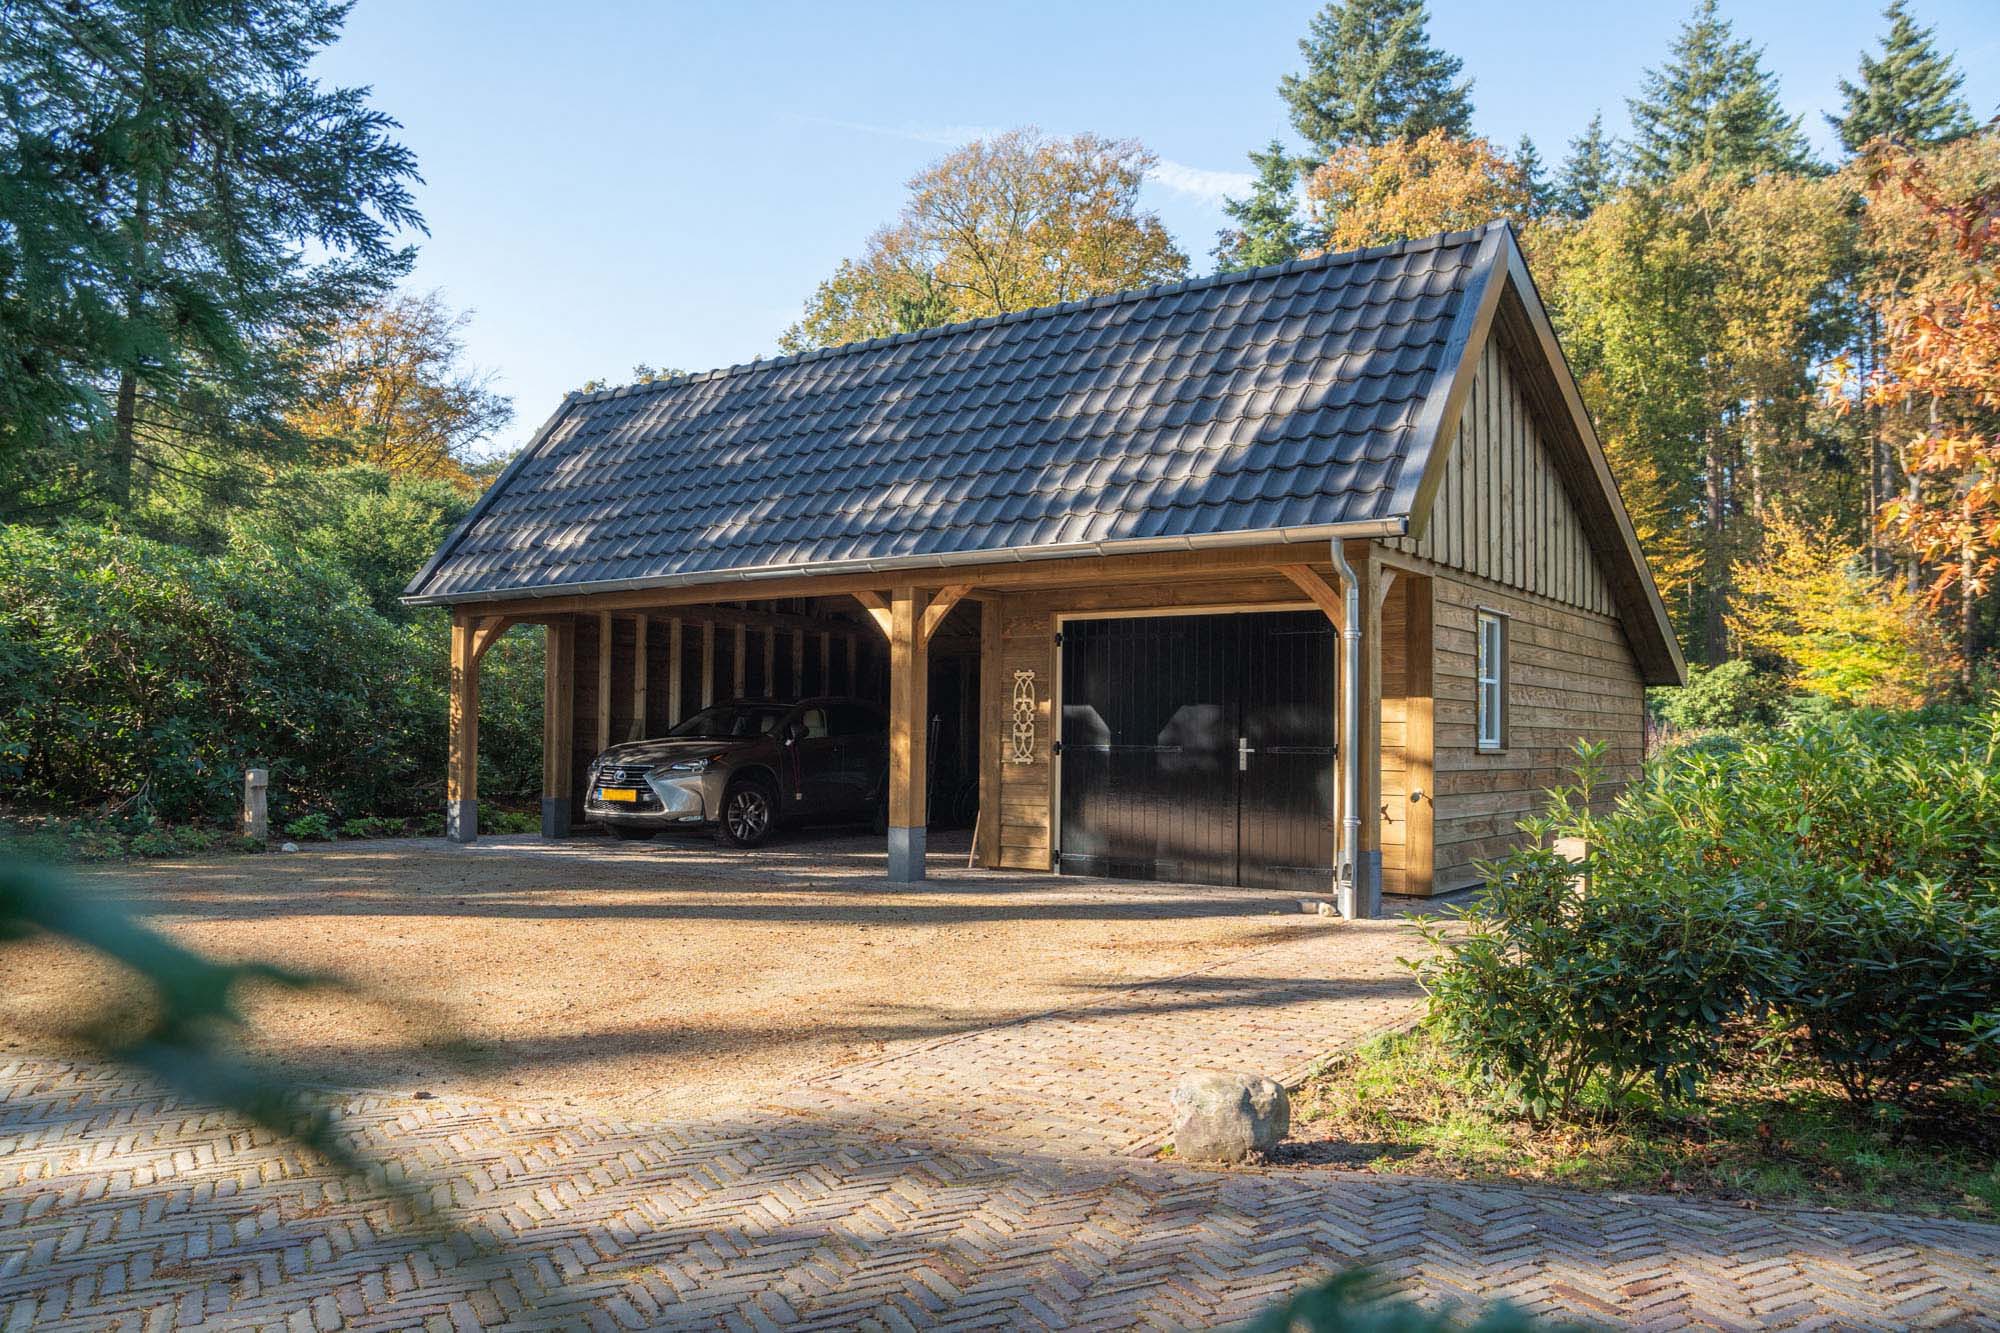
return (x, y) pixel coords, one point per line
(730, 722)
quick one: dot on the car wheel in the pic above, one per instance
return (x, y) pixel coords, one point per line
(748, 812)
(627, 833)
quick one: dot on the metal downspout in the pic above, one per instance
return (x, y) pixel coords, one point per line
(1346, 888)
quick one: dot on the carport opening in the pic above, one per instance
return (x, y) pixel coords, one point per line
(636, 674)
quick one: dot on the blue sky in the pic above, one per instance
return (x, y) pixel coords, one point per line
(615, 183)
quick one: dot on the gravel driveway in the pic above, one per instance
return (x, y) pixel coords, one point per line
(675, 977)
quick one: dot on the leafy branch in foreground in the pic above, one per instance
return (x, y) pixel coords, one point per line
(194, 1009)
(1357, 1301)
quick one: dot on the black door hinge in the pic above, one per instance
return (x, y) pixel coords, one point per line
(1058, 638)
(1056, 749)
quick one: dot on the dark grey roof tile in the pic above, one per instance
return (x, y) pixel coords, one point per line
(1276, 398)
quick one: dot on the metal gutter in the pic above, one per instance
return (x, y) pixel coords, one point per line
(1382, 527)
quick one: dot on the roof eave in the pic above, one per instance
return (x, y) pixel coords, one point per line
(734, 578)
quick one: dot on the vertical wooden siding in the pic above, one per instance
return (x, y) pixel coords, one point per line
(1501, 511)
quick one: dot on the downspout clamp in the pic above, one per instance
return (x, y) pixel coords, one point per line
(1351, 890)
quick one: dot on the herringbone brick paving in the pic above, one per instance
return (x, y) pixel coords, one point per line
(124, 1209)
(1094, 1078)
(977, 1180)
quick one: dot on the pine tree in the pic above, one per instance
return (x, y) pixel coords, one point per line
(1713, 104)
(1910, 94)
(176, 207)
(1529, 159)
(1372, 75)
(1589, 173)
(1268, 227)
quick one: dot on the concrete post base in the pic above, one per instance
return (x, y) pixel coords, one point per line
(1368, 895)
(461, 820)
(906, 855)
(1360, 898)
(555, 816)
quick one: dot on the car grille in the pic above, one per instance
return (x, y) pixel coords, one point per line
(623, 775)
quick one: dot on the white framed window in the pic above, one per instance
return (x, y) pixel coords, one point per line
(1492, 675)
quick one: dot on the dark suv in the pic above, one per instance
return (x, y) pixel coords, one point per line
(742, 768)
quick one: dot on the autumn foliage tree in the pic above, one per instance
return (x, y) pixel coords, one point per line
(1938, 380)
(1002, 224)
(390, 386)
(1808, 600)
(1695, 312)
(1373, 194)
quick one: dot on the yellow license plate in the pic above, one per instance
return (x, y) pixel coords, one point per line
(617, 793)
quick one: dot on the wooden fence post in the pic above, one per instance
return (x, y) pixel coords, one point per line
(256, 811)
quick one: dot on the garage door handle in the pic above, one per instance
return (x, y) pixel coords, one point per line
(1243, 752)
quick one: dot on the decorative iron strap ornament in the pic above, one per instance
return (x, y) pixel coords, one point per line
(1024, 717)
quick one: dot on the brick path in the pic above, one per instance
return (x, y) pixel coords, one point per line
(120, 1209)
(970, 1181)
(1095, 1079)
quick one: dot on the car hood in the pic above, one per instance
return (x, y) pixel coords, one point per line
(667, 749)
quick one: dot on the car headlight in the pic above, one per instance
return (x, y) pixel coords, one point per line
(692, 765)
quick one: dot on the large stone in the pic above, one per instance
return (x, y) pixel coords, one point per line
(1225, 1117)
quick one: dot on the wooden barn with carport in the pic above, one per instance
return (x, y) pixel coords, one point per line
(1308, 576)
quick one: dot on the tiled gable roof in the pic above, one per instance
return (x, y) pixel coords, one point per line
(1282, 399)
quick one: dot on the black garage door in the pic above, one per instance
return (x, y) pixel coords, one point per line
(1199, 748)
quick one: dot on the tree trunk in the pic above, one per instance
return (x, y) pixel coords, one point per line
(124, 422)
(1968, 595)
(1715, 556)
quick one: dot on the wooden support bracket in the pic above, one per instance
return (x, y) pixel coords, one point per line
(1322, 594)
(878, 610)
(487, 630)
(948, 596)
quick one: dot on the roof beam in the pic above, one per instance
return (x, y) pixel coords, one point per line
(1089, 571)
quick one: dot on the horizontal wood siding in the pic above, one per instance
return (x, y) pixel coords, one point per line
(1572, 675)
(1502, 511)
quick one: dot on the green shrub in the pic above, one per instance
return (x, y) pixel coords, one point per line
(132, 668)
(1889, 982)
(1733, 694)
(492, 819)
(1844, 880)
(371, 826)
(153, 843)
(194, 838)
(310, 828)
(1567, 996)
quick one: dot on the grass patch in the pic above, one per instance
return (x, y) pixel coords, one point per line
(1767, 1132)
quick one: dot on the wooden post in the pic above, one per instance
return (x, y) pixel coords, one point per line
(854, 664)
(639, 677)
(993, 733)
(1419, 743)
(558, 726)
(603, 681)
(256, 807)
(707, 663)
(736, 662)
(1368, 855)
(461, 797)
(909, 705)
(825, 662)
(674, 645)
(798, 662)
